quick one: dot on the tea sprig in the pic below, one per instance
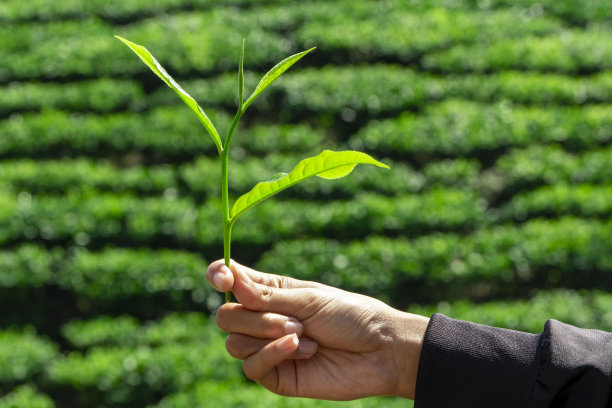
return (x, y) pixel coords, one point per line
(327, 164)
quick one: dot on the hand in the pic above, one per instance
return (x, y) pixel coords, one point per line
(305, 339)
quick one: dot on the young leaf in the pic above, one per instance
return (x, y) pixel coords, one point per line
(274, 73)
(156, 67)
(327, 164)
(241, 77)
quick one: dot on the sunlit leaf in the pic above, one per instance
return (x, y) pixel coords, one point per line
(327, 164)
(274, 73)
(156, 67)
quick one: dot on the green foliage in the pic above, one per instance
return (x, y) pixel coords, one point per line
(497, 261)
(538, 165)
(100, 95)
(585, 309)
(27, 266)
(530, 87)
(234, 394)
(160, 132)
(467, 128)
(104, 218)
(23, 355)
(575, 12)
(134, 374)
(576, 51)
(560, 199)
(11, 10)
(26, 396)
(494, 116)
(334, 89)
(123, 273)
(61, 177)
(51, 50)
(406, 34)
(126, 331)
(63, 133)
(54, 177)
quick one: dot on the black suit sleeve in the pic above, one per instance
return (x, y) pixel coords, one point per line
(465, 364)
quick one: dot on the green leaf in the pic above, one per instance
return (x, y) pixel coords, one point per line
(274, 73)
(327, 164)
(337, 173)
(241, 77)
(156, 67)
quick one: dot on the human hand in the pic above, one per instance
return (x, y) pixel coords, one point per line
(305, 339)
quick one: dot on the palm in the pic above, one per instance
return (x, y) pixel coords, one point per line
(352, 360)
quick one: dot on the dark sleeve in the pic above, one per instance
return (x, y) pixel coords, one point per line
(465, 364)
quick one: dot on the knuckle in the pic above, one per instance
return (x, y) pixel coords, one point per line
(312, 295)
(273, 325)
(266, 294)
(316, 298)
(284, 282)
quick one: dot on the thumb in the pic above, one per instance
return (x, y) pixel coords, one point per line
(299, 302)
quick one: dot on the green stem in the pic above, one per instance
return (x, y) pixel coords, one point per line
(227, 231)
(230, 133)
(227, 226)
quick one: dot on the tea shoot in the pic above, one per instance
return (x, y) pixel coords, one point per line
(327, 164)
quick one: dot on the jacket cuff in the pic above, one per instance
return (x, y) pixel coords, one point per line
(467, 364)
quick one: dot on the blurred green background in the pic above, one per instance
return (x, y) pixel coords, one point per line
(495, 116)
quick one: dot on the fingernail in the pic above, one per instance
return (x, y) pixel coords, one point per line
(218, 279)
(288, 344)
(293, 326)
(307, 346)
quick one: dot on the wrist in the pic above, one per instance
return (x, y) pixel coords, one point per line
(407, 351)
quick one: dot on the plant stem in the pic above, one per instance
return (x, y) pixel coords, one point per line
(227, 230)
(227, 226)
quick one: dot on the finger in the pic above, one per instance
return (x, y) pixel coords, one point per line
(272, 280)
(300, 303)
(241, 346)
(262, 363)
(220, 276)
(235, 318)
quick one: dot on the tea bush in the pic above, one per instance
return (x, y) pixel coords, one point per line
(99, 95)
(558, 200)
(580, 308)
(105, 218)
(162, 132)
(126, 330)
(23, 355)
(465, 128)
(237, 394)
(578, 51)
(497, 261)
(26, 396)
(538, 165)
(407, 35)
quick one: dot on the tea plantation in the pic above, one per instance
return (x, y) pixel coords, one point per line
(495, 117)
